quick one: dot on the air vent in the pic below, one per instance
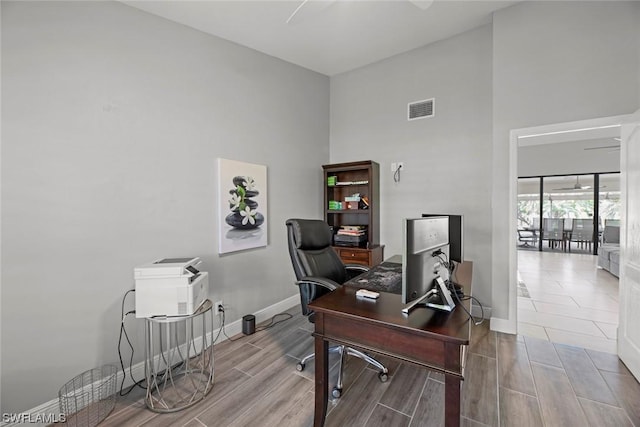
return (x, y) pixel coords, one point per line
(422, 109)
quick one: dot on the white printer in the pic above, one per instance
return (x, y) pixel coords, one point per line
(170, 287)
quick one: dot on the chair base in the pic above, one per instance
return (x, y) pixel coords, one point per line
(383, 375)
(526, 244)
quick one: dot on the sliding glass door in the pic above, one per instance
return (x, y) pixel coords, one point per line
(565, 211)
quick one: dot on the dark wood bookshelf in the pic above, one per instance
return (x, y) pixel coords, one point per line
(362, 178)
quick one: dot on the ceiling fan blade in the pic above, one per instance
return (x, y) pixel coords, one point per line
(422, 4)
(307, 9)
(585, 187)
(577, 186)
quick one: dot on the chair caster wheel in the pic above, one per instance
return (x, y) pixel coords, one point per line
(383, 376)
(300, 367)
(336, 392)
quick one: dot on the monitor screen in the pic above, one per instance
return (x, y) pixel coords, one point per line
(424, 243)
(456, 235)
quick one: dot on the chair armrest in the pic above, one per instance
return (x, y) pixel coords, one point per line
(319, 281)
(312, 288)
(354, 270)
(361, 268)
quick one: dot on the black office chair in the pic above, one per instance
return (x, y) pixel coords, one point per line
(319, 270)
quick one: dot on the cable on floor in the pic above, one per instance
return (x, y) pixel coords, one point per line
(271, 324)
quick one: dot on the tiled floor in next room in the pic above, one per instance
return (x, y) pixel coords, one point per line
(564, 298)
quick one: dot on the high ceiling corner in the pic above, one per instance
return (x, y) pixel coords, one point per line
(328, 36)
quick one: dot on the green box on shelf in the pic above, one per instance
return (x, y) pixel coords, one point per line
(335, 205)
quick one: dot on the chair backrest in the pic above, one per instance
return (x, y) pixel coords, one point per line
(553, 228)
(309, 242)
(568, 224)
(582, 230)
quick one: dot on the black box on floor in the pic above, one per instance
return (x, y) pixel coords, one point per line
(248, 324)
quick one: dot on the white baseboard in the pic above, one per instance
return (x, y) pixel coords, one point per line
(506, 326)
(480, 313)
(49, 411)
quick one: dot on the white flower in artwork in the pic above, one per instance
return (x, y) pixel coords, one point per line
(234, 201)
(249, 183)
(244, 209)
(248, 216)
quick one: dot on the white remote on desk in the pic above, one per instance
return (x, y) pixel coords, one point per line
(367, 293)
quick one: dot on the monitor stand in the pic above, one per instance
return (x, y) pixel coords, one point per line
(438, 297)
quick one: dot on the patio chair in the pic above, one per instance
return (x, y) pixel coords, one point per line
(582, 233)
(527, 238)
(553, 232)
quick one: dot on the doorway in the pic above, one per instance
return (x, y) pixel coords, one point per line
(579, 138)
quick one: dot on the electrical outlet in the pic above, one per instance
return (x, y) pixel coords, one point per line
(395, 166)
(218, 307)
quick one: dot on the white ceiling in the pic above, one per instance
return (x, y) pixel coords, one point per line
(328, 36)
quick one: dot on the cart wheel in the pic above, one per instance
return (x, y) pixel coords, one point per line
(383, 377)
(300, 367)
(336, 392)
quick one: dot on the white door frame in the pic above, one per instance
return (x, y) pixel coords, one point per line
(549, 134)
(628, 332)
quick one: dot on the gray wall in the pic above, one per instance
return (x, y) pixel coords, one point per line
(112, 121)
(447, 158)
(555, 62)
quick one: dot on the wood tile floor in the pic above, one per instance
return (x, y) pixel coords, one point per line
(564, 298)
(510, 381)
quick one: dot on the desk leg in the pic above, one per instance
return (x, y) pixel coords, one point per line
(322, 380)
(451, 401)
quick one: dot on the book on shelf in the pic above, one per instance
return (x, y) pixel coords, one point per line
(350, 183)
(352, 230)
(351, 233)
(353, 227)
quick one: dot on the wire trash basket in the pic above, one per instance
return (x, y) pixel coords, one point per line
(88, 398)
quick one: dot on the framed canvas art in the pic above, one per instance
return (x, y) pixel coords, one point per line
(242, 188)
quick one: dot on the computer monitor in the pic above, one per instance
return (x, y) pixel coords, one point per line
(425, 247)
(456, 236)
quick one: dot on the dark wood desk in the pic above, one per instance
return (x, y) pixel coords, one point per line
(432, 339)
